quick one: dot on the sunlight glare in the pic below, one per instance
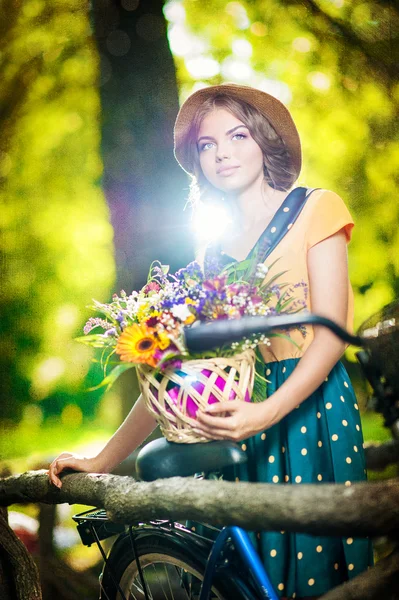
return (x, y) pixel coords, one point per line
(210, 222)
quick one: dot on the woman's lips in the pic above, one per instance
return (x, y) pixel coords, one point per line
(226, 171)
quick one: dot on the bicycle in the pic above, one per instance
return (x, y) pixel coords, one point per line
(163, 559)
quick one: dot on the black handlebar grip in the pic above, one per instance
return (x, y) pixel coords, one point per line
(215, 334)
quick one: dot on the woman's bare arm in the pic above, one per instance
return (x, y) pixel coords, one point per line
(134, 430)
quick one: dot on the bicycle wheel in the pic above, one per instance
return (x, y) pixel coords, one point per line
(170, 571)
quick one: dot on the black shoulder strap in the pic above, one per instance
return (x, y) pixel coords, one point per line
(281, 223)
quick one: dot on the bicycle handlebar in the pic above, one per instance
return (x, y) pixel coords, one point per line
(218, 333)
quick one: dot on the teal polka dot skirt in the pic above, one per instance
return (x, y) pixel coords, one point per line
(320, 441)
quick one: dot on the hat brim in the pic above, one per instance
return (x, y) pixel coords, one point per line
(269, 106)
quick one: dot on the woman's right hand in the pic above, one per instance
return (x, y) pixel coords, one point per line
(74, 462)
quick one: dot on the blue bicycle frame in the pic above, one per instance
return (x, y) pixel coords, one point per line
(247, 552)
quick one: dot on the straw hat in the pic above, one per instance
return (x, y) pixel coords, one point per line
(275, 112)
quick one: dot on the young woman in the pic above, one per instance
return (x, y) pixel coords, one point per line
(241, 147)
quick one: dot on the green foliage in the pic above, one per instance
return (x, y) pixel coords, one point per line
(335, 65)
(56, 245)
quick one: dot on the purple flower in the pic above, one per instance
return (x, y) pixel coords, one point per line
(171, 363)
(110, 332)
(276, 290)
(92, 323)
(212, 266)
(192, 271)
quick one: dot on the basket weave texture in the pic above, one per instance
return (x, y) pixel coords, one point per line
(174, 396)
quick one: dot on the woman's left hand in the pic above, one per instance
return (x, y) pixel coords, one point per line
(239, 420)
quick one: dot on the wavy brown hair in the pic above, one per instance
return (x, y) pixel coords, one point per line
(277, 167)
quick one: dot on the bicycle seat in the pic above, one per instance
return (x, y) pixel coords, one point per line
(161, 459)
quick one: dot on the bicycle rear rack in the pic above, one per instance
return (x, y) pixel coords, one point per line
(94, 525)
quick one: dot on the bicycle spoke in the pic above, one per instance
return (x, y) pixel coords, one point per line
(168, 580)
(164, 578)
(160, 580)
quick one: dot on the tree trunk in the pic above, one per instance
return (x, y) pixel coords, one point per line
(365, 509)
(19, 577)
(143, 184)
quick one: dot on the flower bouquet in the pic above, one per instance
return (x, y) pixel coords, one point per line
(145, 330)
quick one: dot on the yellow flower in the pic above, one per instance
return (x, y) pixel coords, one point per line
(137, 344)
(163, 340)
(189, 301)
(189, 320)
(143, 312)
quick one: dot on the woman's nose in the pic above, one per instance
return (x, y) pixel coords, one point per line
(222, 153)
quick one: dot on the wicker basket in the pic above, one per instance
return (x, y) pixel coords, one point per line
(173, 397)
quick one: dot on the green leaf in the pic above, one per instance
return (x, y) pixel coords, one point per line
(273, 279)
(96, 340)
(285, 337)
(112, 377)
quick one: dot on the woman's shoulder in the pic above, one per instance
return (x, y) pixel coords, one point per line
(315, 195)
(325, 211)
(325, 203)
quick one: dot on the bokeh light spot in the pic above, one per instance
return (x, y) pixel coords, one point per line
(73, 122)
(50, 369)
(202, 67)
(319, 81)
(106, 70)
(301, 44)
(32, 9)
(239, 14)
(130, 4)
(174, 12)
(278, 89)
(5, 164)
(33, 415)
(259, 29)
(182, 43)
(118, 43)
(242, 48)
(71, 416)
(234, 69)
(68, 316)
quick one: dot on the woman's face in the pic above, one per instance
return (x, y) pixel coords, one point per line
(230, 158)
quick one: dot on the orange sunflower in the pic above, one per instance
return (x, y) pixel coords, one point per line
(137, 344)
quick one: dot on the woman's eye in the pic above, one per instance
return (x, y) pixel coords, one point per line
(239, 136)
(206, 146)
